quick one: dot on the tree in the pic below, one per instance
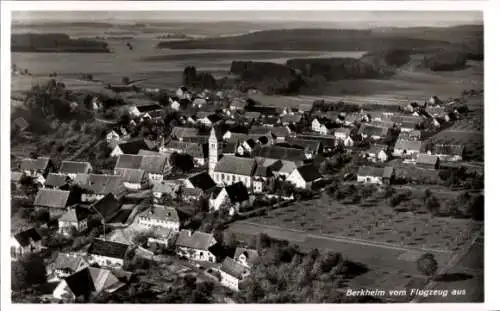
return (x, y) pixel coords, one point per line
(27, 272)
(182, 161)
(125, 80)
(427, 264)
(432, 205)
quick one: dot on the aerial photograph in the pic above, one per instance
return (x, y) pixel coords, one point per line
(173, 157)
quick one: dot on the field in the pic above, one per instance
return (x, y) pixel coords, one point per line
(378, 223)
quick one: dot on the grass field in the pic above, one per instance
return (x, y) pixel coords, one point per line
(378, 223)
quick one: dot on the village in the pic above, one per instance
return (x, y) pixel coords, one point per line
(172, 192)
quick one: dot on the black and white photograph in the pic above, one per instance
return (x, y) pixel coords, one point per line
(218, 157)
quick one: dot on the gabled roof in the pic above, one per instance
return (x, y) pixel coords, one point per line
(230, 148)
(452, 150)
(202, 181)
(167, 186)
(196, 240)
(423, 158)
(106, 207)
(74, 167)
(24, 237)
(263, 171)
(67, 261)
(161, 212)
(326, 141)
(414, 134)
(181, 132)
(280, 131)
(252, 115)
(131, 175)
(76, 214)
(375, 149)
(233, 268)
(153, 164)
(148, 108)
(56, 180)
(370, 130)
(343, 130)
(128, 161)
(259, 130)
(235, 137)
(280, 153)
(101, 183)
(51, 198)
(133, 146)
(238, 103)
(16, 176)
(237, 192)
(90, 280)
(309, 173)
(251, 255)
(408, 144)
(196, 150)
(235, 165)
(385, 172)
(40, 164)
(291, 118)
(107, 248)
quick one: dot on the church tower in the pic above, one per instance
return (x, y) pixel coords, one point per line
(213, 152)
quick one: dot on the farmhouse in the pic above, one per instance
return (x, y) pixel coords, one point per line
(133, 179)
(407, 148)
(304, 177)
(74, 219)
(342, 133)
(232, 169)
(377, 153)
(56, 180)
(427, 161)
(160, 216)
(201, 181)
(448, 152)
(72, 168)
(235, 196)
(107, 253)
(179, 133)
(97, 186)
(232, 273)
(245, 256)
(107, 207)
(67, 264)
(328, 143)
(374, 132)
(130, 147)
(55, 201)
(86, 282)
(195, 245)
(37, 167)
(153, 166)
(375, 175)
(24, 243)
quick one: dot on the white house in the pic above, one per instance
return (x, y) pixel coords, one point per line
(375, 175)
(107, 253)
(195, 245)
(233, 196)
(232, 169)
(24, 243)
(404, 147)
(316, 126)
(232, 273)
(160, 216)
(74, 218)
(304, 176)
(245, 256)
(112, 136)
(342, 133)
(377, 153)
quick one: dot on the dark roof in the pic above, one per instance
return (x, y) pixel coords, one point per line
(202, 181)
(56, 180)
(24, 237)
(239, 103)
(229, 148)
(51, 198)
(196, 240)
(235, 165)
(375, 149)
(385, 172)
(108, 249)
(259, 130)
(66, 261)
(263, 171)
(280, 153)
(280, 131)
(291, 118)
(237, 192)
(148, 108)
(81, 283)
(214, 118)
(133, 147)
(108, 206)
(233, 268)
(408, 144)
(40, 163)
(235, 137)
(263, 110)
(153, 164)
(73, 167)
(252, 115)
(309, 172)
(423, 158)
(309, 144)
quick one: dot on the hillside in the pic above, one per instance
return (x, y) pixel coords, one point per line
(340, 39)
(55, 42)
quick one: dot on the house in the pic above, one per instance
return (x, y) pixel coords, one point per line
(328, 143)
(198, 151)
(427, 161)
(374, 132)
(291, 119)
(106, 208)
(201, 181)
(234, 196)
(245, 256)
(252, 116)
(304, 176)
(66, 264)
(313, 146)
(238, 104)
(282, 153)
(316, 126)
(375, 175)
(167, 188)
(342, 133)
(21, 124)
(160, 216)
(195, 245)
(56, 180)
(410, 135)
(174, 105)
(231, 136)
(153, 115)
(130, 147)
(74, 167)
(133, 179)
(153, 166)
(448, 152)
(54, 200)
(40, 166)
(179, 133)
(377, 153)
(161, 236)
(232, 169)
(407, 148)
(24, 243)
(112, 136)
(74, 219)
(199, 102)
(209, 120)
(85, 283)
(15, 180)
(141, 110)
(107, 253)
(232, 273)
(97, 186)
(281, 133)
(190, 195)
